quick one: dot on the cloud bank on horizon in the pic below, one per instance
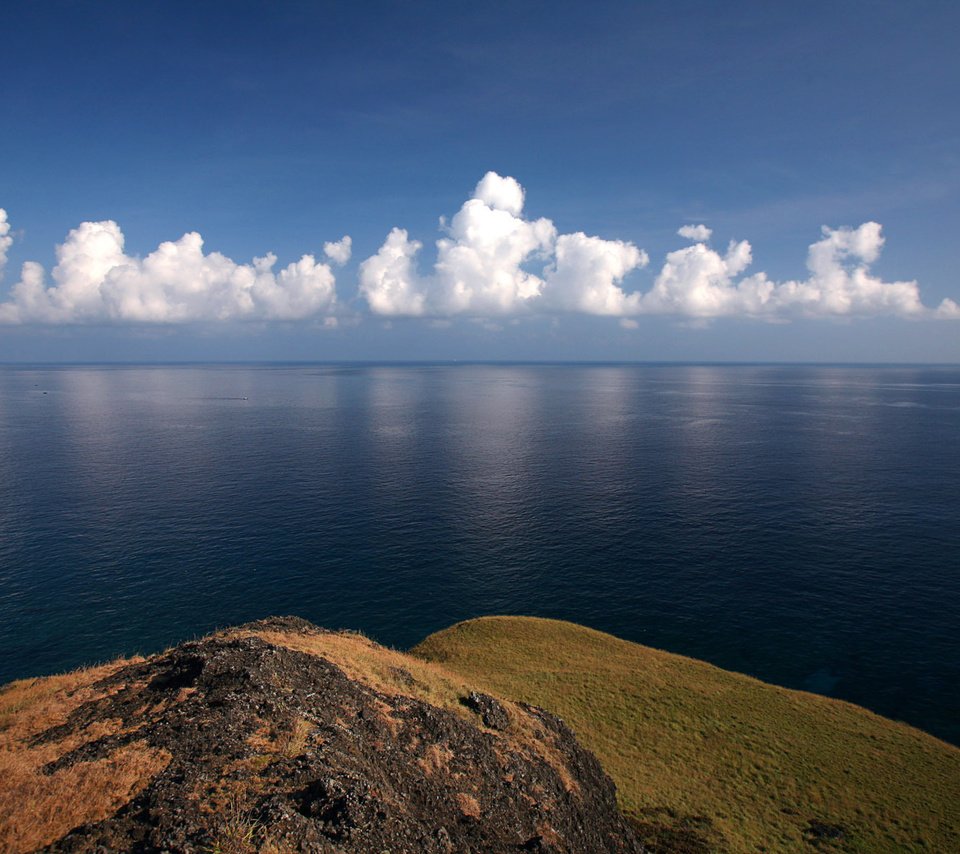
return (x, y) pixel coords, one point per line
(482, 269)
(176, 283)
(492, 262)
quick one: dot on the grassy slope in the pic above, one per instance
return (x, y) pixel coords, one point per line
(760, 761)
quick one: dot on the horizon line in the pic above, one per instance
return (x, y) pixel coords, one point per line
(467, 362)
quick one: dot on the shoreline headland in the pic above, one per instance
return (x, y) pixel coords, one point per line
(493, 734)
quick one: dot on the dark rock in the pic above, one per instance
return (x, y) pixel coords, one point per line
(493, 714)
(403, 677)
(182, 673)
(821, 831)
(662, 830)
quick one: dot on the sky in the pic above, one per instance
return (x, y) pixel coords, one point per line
(754, 181)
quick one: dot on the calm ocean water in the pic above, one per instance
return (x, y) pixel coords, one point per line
(801, 524)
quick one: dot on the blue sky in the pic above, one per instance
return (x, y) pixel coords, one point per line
(283, 127)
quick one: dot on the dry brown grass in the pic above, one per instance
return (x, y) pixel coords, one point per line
(30, 706)
(263, 738)
(385, 670)
(37, 808)
(533, 739)
(273, 742)
(549, 835)
(239, 833)
(233, 830)
(469, 805)
(435, 758)
(293, 741)
(225, 801)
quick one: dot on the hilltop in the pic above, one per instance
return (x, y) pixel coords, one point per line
(278, 736)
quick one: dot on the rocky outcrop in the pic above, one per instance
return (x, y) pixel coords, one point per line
(277, 749)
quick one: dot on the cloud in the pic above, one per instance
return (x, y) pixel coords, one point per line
(698, 282)
(948, 310)
(389, 281)
(841, 283)
(587, 273)
(494, 262)
(482, 265)
(504, 194)
(6, 241)
(479, 268)
(95, 281)
(339, 251)
(699, 233)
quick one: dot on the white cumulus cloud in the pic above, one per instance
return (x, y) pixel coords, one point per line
(339, 251)
(587, 273)
(504, 194)
(95, 280)
(6, 241)
(480, 265)
(483, 264)
(699, 282)
(840, 281)
(949, 310)
(699, 233)
(389, 280)
(479, 269)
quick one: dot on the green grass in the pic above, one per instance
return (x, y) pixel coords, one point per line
(684, 741)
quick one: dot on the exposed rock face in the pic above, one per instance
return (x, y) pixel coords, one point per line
(275, 749)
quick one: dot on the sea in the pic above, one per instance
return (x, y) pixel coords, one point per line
(799, 523)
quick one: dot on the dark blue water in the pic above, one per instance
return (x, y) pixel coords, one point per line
(801, 524)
